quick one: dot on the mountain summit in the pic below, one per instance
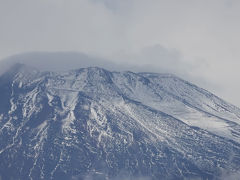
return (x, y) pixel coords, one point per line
(91, 123)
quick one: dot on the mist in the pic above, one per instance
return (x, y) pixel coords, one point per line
(197, 40)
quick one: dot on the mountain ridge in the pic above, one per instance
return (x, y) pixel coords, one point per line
(93, 123)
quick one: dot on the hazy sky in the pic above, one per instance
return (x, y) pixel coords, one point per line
(198, 39)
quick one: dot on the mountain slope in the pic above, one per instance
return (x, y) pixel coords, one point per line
(91, 123)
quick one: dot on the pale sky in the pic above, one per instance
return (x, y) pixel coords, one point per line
(198, 40)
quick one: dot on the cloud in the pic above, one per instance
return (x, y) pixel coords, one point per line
(55, 61)
(201, 35)
(154, 58)
(142, 61)
(165, 59)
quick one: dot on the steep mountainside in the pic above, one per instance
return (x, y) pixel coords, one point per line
(91, 123)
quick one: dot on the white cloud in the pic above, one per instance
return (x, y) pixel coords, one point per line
(204, 34)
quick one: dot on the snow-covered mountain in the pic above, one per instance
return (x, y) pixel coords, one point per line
(91, 123)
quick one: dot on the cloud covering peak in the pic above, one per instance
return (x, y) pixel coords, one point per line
(199, 38)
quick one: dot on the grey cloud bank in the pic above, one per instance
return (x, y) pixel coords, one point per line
(169, 61)
(198, 40)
